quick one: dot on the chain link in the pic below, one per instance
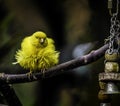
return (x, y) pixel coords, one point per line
(113, 39)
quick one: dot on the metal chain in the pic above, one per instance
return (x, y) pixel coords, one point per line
(114, 37)
(110, 6)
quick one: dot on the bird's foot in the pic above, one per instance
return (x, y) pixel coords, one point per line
(31, 76)
(43, 72)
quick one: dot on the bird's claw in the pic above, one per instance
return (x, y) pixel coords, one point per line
(31, 76)
(43, 72)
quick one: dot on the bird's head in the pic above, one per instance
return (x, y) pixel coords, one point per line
(39, 39)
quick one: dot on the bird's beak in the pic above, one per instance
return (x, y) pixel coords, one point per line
(42, 40)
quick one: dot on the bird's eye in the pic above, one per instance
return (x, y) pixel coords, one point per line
(37, 37)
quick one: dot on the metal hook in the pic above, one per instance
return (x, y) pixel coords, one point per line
(110, 7)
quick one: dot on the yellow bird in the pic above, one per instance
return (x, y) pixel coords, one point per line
(37, 53)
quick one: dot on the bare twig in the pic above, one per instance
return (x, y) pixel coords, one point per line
(64, 67)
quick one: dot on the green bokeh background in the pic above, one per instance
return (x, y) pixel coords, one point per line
(69, 23)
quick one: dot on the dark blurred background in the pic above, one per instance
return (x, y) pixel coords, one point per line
(77, 26)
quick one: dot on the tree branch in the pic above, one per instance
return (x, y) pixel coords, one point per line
(64, 67)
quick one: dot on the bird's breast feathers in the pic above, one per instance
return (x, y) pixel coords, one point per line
(34, 57)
